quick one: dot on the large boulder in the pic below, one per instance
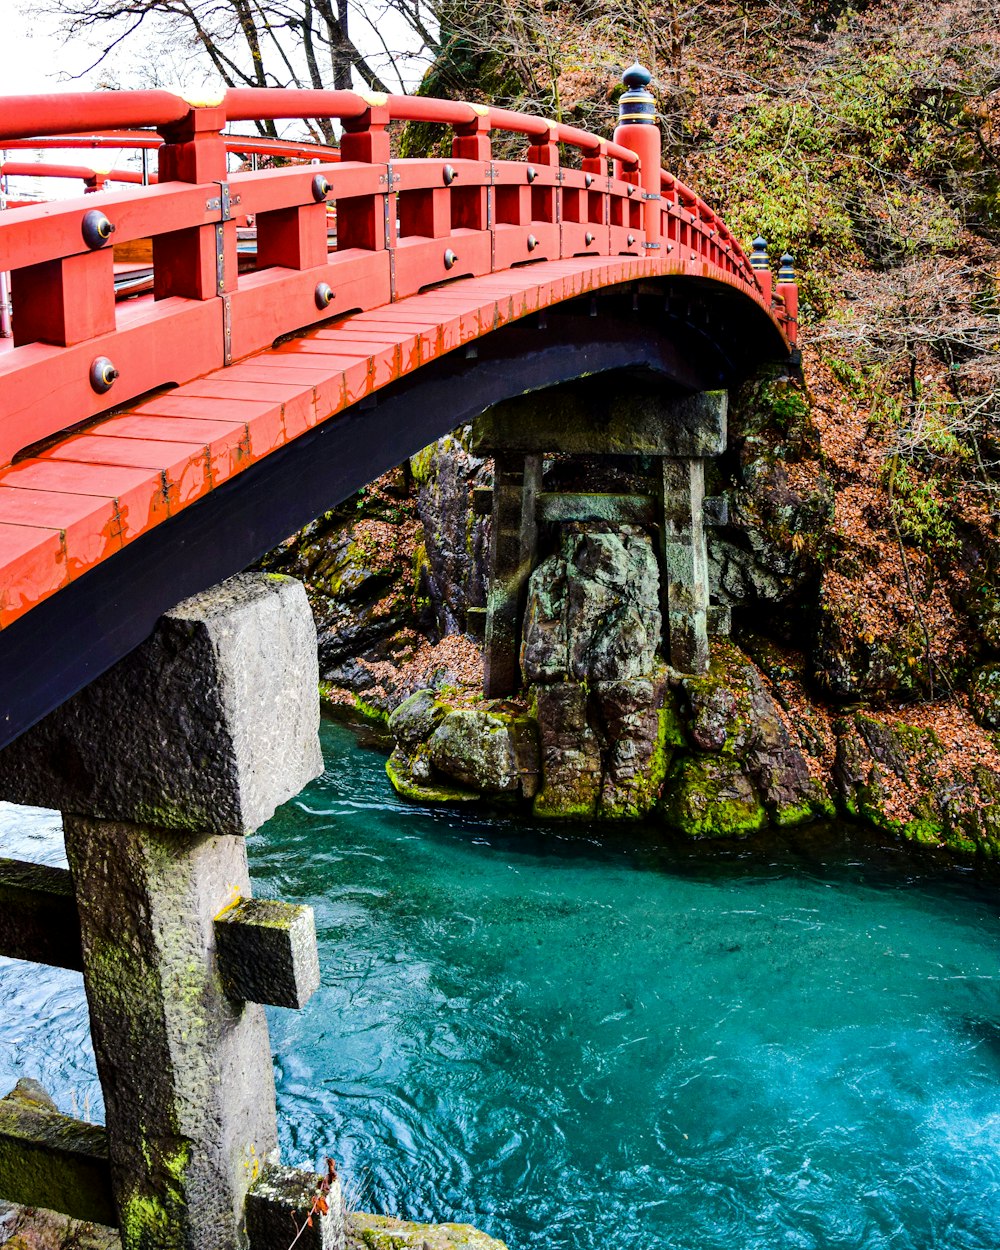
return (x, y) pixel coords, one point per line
(709, 796)
(476, 749)
(456, 540)
(593, 609)
(639, 728)
(570, 753)
(732, 712)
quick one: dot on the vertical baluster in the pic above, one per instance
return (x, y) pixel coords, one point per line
(198, 262)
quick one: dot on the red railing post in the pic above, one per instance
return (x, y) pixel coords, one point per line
(471, 141)
(198, 262)
(637, 129)
(788, 289)
(367, 221)
(761, 266)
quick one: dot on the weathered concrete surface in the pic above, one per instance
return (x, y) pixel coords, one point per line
(209, 725)
(685, 564)
(186, 1072)
(513, 543)
(589, 422)
(287, 1205)
(615, 509)
(38, 919)
(50, 1160)
(267, 952)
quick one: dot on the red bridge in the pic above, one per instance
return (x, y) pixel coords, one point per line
(197, 365)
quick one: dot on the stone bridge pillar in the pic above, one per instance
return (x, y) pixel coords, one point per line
(678, 434)
(161, 767)
(684, 563)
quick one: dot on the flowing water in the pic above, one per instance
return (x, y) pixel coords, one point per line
(583, 1042)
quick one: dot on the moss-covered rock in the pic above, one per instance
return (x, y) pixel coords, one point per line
(732, 712)
(640, 727)
(902, 779)
(382, 1232)
(570, 753)
(416, 718)
(709, 796)
(476, 749)
(455, 539)
(419, 789)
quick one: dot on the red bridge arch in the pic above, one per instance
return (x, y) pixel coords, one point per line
(251, 390)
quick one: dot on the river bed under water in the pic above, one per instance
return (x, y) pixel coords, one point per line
(582, 1041)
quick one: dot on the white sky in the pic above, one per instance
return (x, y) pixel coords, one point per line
(36, 58)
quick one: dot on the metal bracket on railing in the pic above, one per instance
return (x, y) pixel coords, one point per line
(651, 195)
(387, 239)
(227, 330)
(651, 245)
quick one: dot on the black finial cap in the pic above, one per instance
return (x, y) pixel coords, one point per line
(759, 244)
(636, 77)
(788, 260)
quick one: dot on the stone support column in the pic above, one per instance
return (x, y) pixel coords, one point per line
(685, 564)
(160, 768)
(186, 1072)
(513, 545)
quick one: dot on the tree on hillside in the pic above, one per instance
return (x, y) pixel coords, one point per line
(258, 43)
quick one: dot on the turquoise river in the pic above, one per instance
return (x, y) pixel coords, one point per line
(585, 1040)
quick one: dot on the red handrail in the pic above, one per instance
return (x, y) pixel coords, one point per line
(401, 227)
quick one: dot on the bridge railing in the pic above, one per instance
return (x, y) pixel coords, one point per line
(401, 226)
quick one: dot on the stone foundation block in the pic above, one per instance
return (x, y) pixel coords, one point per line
(209, 725)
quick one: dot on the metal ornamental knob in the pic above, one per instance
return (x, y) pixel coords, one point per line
(103, 375)
(320, 188)
(588, 180)
(324, 295)
(450, 174)
(96, 229)
(449, 259)
(588, 238)
(630, 240)
(532, 242)
(532, 173)
(636, 104)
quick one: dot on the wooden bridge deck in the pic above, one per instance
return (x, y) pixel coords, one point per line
(90, 493)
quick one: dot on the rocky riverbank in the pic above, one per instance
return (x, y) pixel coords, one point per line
(825, 700)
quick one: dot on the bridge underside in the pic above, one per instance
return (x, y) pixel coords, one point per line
(673, 335)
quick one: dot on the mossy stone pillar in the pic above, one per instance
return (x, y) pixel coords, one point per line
(160, 768)
(186, 1073)
(685, 564)
(513, 545)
